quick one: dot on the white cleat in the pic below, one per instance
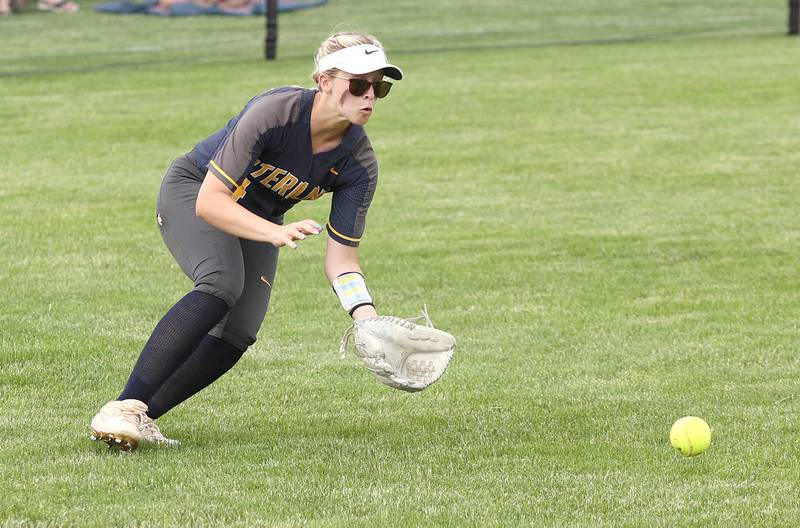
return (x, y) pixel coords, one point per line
(117, 424)
(124, 424)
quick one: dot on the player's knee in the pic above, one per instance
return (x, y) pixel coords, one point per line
(224, 284)
(232, 348)
(239, 338)
(241, 333)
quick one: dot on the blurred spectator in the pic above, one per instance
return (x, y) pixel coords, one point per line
(6, 6)
(60, 6)
(230, 6)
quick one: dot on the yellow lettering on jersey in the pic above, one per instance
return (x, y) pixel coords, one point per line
(264, 167)
(315, 193)
(297, 191)
(273, 176)
(240, 191)
(285, 184)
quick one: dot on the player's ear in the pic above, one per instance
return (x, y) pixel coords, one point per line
(325, 84)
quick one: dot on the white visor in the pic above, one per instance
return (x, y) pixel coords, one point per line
(364, 58)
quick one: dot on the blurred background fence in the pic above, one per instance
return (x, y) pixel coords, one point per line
(91, 40)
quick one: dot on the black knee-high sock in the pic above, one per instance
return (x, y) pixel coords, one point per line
(213, 358)
(175, 337)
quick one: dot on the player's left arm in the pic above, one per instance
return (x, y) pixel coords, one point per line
(353, 189)
(341, 260)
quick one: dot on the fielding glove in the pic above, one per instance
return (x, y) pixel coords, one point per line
(399, 352)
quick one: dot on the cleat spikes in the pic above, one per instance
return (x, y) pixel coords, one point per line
(120, 444)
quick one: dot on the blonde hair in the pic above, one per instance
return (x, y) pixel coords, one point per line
(339, 41)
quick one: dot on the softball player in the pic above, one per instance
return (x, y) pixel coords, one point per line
(220, 212)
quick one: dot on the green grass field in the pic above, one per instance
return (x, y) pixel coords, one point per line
(598, 199)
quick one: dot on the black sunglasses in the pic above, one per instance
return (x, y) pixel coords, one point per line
(359, 87)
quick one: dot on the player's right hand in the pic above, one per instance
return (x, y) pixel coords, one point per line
(285, 235)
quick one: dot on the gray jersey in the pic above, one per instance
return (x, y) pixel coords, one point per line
(264, 156)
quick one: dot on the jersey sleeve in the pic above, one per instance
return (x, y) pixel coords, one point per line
(351, 201)
(244, 142)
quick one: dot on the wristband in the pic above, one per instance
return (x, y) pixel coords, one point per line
(352, 291)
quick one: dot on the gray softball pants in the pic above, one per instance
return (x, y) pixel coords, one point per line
(240, 272)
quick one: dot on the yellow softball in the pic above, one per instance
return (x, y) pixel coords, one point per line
(690, 435)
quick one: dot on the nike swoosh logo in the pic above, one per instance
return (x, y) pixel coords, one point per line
(366, 52)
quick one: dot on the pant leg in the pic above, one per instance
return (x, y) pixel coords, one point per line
(242, 323)
(210, 257)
